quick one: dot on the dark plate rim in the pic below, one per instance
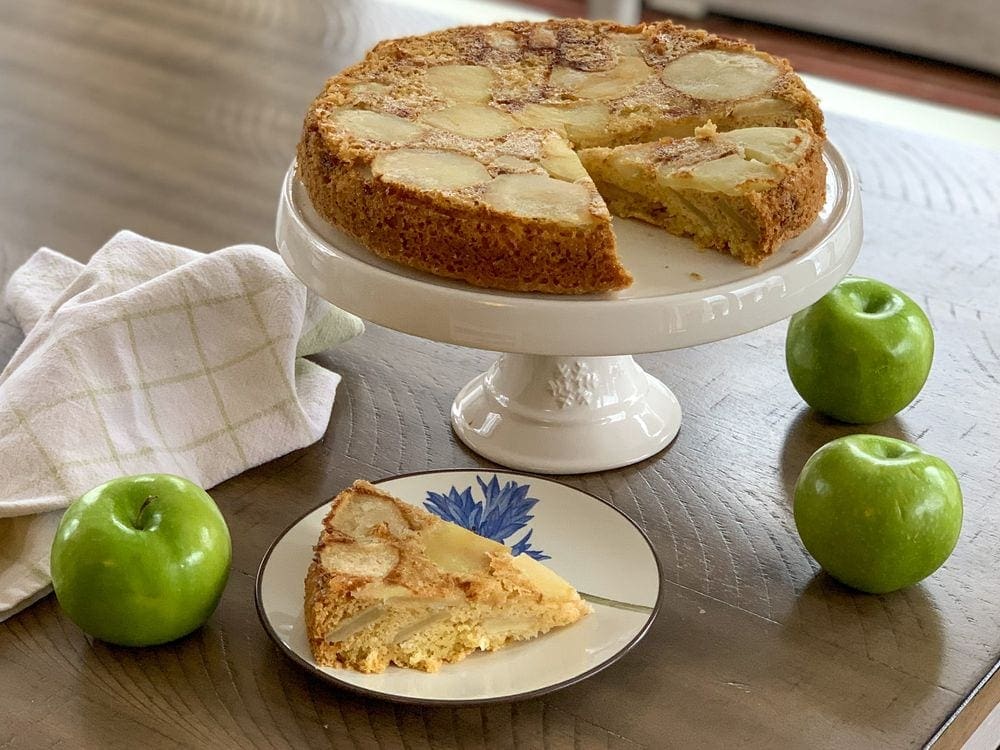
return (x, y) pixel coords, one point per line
(391, 697)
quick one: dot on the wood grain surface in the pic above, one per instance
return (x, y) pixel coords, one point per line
(178, 120)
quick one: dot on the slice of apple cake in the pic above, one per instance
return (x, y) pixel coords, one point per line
(743, 192)
(391, 583)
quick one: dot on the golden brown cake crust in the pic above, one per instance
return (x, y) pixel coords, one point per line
(485, 249)
(459, 233)
(786, 210)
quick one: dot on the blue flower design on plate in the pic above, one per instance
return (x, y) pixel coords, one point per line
(501, 513)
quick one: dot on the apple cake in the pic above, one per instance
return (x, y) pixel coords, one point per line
(743, 191)
(391, 583)
(456, 152)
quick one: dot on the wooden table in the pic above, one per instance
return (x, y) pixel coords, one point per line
(178, 119)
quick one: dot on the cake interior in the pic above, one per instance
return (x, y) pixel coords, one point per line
(723, 190)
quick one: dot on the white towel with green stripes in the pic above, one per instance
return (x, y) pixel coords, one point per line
(150, 358)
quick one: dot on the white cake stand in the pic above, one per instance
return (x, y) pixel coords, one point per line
(567, 396)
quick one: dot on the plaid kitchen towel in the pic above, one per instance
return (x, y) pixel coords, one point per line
(150, 358)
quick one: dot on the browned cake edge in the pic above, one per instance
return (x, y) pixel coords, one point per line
(321, 585)
(483, 248)
(315, 608)
(791, 206)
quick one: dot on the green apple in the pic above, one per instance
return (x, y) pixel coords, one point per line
(861, 353)
(877, 513)
(141, 560)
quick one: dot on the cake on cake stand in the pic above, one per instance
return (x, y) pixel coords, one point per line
(567, 396)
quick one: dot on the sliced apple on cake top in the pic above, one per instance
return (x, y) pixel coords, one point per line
(453, 152)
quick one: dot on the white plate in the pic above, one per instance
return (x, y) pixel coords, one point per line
(682, 295)
(588, 542)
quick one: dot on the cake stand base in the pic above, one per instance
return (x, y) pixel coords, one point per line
(565, 415)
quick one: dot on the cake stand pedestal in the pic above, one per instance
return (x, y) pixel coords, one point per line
(565, 415)
(567, 396)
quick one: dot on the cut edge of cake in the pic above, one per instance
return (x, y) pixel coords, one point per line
(743, 192)
(496, 225)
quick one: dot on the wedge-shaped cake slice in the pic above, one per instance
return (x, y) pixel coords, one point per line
(743, 192)
(391, 583)
(514, 210)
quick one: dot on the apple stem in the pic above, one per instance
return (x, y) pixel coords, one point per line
(142, 509)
